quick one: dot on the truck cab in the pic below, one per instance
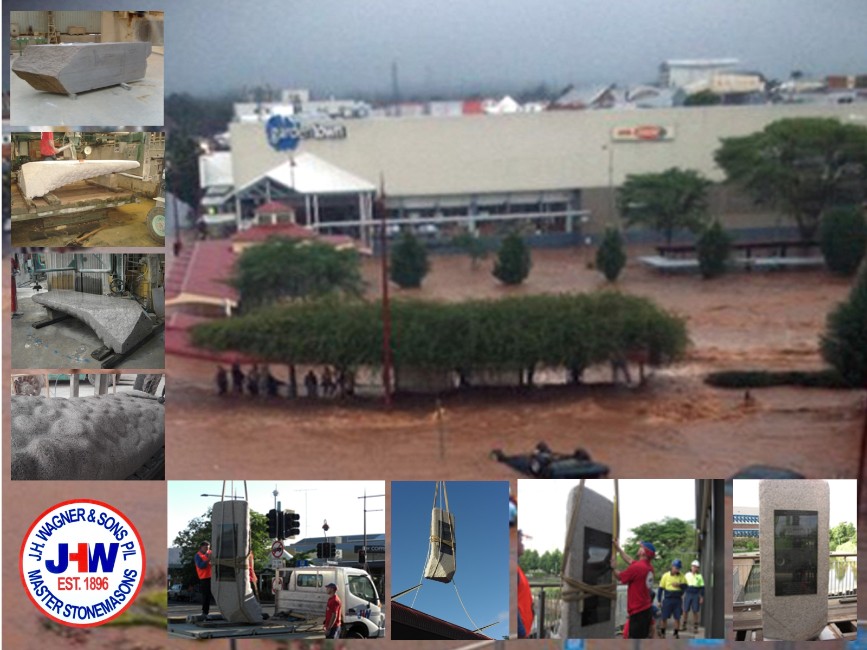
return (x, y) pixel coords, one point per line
(302, 593)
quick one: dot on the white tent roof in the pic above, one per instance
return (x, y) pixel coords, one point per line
(309, 174)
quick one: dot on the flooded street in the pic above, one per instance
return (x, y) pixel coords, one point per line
(760, 320)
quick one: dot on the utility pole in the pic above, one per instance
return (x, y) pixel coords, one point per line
(386, 309)
(364, 542)
(306, 511)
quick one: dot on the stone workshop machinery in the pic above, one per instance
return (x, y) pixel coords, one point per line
(72, 68)
(125, 317)
(75, 195)
(99, 437)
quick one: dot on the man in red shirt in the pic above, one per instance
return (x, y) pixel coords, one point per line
(333, 613)
(46, 146)
(639, 578)
(525, 596)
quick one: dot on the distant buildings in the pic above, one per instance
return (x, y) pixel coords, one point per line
(745, 522)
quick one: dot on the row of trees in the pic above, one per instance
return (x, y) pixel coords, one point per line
(409, 262)
(673, 538)
(801, 166)
(521, 333)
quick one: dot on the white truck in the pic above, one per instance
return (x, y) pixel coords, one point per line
(302, 593)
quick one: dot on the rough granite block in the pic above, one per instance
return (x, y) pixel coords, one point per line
(39, 178)
(589, 561)
(107, 437)
(794, 555)
(72, 68)
(230, 575)
(118, 322)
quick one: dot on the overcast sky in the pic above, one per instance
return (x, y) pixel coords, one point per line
(844, 498)
(542, 506)
(335, 46)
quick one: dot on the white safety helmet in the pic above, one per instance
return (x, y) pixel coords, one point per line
(695, 563)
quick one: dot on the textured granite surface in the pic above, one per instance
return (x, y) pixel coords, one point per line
(596, 512)
(230, 577)
(118, 322)
(441, 558)
(84, 438)
(793, 617)
(78, 67)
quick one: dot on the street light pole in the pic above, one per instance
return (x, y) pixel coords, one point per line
(364, 541)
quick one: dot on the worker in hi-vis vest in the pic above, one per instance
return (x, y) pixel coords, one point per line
(203, 570)
(671, 587)
(694, 595)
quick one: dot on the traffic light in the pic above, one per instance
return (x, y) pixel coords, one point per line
(319, 549)
(331, 549)
(273, 524)
(291, 524)
(361, 556)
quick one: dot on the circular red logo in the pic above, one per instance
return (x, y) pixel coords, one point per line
(82, 563)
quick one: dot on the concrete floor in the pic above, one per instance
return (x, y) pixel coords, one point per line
(125, 226)
(68, 344)
(140, 106)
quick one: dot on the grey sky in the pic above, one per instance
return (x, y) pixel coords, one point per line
(335, 46)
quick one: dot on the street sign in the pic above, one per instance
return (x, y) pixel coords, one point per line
(277, 549)
(283, 133)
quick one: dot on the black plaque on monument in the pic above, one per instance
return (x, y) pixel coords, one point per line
(796, 561)
(597, 571)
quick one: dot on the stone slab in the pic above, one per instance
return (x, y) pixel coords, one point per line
(38, 178)
(106, 437)
(589, 551)
(71, 68)
(118, 322)
(784, 540)
(230, 575)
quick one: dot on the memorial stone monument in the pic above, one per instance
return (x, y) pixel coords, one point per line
(794, 556)
(590, 562)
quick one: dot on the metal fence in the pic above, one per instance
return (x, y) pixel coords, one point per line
(546, 605)
(842, 578)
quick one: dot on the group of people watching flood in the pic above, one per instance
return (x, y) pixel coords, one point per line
(259, 382)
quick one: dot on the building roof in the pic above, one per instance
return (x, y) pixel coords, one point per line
(274, 207)
(309, 174)
(431, 625)
(205, 274)
(266, 231)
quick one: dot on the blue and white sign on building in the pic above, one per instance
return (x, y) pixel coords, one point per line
(283, 133)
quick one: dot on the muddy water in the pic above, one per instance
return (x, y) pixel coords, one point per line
(764, 320)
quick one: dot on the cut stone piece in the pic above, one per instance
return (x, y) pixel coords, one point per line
(230, 564)
(76, 67)
(441, 562)
(590, 562)
(105, 437)
(794, 553)
(39, 178)
(118, 322)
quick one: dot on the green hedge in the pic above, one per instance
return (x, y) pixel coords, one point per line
(767, 379)
(572, 331)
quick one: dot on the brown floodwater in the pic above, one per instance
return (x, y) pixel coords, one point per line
(757, 320)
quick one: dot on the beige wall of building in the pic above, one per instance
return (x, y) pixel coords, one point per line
(561, 150)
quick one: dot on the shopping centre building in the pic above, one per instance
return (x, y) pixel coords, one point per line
(554, 172)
